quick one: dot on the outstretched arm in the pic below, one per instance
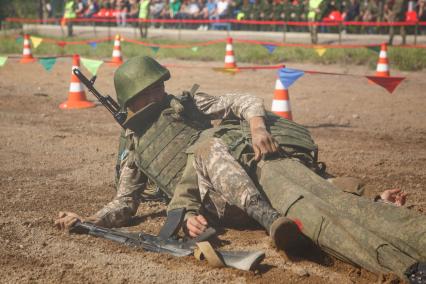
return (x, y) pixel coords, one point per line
(124, 205)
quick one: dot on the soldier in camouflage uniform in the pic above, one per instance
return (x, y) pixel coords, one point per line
(396, 13)
(216, 171)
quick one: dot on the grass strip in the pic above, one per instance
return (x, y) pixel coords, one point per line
(406, 59)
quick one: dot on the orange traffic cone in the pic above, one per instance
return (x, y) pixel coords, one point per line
(76, 95)
(229, 55)
(27, 56)
(117, 59)
(383, 64)
(281, 103)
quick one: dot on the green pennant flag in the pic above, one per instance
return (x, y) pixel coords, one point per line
(375, 48)
(19, 40)
(2, 60)
(155, 49)
(91, 64)
(47, 62)
(194, 49)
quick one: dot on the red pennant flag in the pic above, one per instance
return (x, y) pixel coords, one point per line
(61, 44)
(389, 83)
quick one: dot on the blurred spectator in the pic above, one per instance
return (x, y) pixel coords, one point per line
(79, 8)
(421, 14)
(144, 9)
(395, 12)
(133, 9)
(122, 9)
(174, 8)
(69, 15)
(221, 9)
(92, 8)
(157, 7)
(352, 11)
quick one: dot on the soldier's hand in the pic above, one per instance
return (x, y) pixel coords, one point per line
(196, 225)
(395, 196)
(262, 140)
(66, 220)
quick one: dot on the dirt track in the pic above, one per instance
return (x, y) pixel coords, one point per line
(55, 160)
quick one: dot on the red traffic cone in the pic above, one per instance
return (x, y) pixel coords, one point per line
(281, 103)
(117, 59)
(27, 56)
(229, 55)
(76, 96)
(383, 63)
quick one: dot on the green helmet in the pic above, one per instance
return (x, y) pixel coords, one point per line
(136, 75)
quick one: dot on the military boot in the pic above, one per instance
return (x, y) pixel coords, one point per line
(284, 232)
(416, 273)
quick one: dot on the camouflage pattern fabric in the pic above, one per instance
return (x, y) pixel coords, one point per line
(132, 182)
(221, 177)
(377, 236)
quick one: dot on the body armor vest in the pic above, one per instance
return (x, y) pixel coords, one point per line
(161, 146)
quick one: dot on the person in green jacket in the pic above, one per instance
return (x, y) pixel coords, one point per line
(69, 15)
(313, 16)
(144, 8)
(254, 165)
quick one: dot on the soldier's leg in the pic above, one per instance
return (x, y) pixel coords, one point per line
(303, 196)
(223, 179)
(382, 218)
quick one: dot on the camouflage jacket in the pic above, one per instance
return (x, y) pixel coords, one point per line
(132, 182)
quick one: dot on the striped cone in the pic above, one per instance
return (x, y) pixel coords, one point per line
(76, 96)
(27, 56)
(281, 103)
(229, 55)
(117, 59)
(383, 64)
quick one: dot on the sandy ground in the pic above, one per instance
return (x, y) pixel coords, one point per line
(55, 160)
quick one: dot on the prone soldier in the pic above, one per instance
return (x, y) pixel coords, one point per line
(219, 171)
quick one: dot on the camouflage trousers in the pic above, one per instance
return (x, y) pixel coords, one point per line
(374, 235)
(223, 184)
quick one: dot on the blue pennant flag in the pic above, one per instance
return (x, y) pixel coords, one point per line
(271, 48)
(288, 76)
(93, 44)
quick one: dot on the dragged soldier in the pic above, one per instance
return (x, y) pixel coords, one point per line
(237, 170)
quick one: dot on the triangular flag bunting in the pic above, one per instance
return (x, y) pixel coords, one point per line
(194, 49)
(288, 76)
(93, 44)
(47, 62)
(320, 50)
(61, 44)
(91, 65)
(375, 48)
(19, 40)
(231, 71)
(155, 48)
(2, 60)
(389, 83)
(36, 41)
(271, 48)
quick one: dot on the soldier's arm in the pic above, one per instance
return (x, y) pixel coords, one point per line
(131, 184)
(242, 106)
(186, 193)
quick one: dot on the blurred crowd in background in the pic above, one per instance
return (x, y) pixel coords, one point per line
(259, 10)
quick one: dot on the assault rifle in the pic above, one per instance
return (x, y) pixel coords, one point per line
(112, 106)
(148, 242)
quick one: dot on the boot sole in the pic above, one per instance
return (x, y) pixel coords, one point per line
(286, 236)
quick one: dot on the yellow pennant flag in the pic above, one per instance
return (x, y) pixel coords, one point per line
(320, 50)
(36, 41)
